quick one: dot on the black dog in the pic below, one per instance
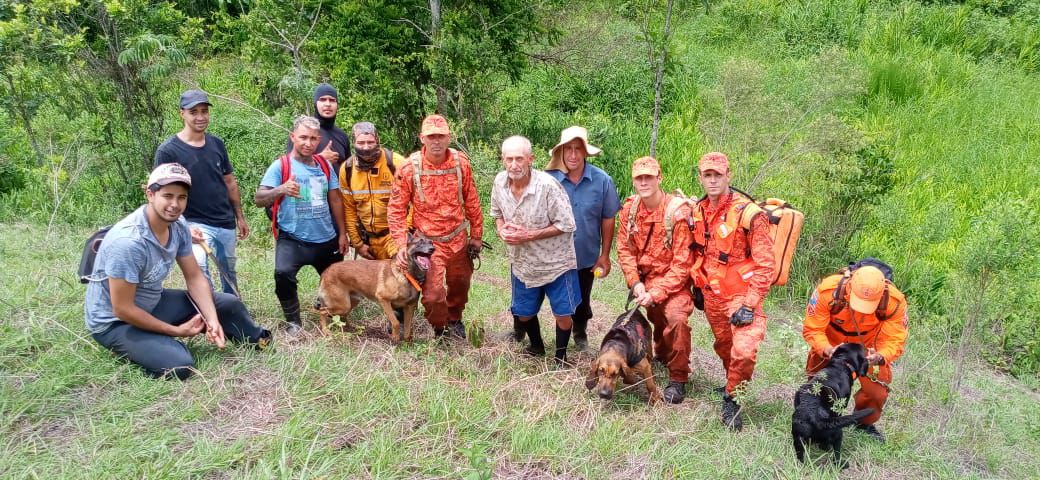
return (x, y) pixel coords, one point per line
(816, 416)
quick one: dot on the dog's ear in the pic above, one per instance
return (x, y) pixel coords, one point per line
(593, 378)
(861, 363)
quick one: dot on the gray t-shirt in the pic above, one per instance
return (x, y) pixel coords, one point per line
(131, 252)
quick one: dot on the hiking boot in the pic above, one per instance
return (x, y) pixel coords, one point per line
(872, 431)
(263, 341)
(293, 328)
(675, 392)
(731, 413)
(581, 343)
(456, 329)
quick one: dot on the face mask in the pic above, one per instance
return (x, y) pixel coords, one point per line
(367, 154)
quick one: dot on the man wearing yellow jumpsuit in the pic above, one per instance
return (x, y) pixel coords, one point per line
(366, 179)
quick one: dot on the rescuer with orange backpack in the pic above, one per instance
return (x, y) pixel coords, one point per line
(734, 272)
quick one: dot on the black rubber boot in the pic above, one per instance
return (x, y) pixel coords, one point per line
(534, 332)
(675, 392)
(291, 310)
(563, 337)
(731, 413)
(581, 338)
(519, 331)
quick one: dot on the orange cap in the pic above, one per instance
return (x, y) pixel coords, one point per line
(646, 166)
(714, 161)
(434, 125)
(866, 287)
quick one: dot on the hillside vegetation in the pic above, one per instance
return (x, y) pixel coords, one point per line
(904, 129)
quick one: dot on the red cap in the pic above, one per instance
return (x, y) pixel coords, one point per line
(714, 161)
(646, 166)
(434, 125)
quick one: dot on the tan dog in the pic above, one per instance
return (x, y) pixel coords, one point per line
(625, 351)
(344, 284)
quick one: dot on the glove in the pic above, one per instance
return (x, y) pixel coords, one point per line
(742, 317)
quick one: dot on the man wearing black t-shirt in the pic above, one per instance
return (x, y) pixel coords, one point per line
(214, 205)
(334, 145)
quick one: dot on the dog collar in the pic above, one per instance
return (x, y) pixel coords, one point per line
(851, 370)
(413, 281)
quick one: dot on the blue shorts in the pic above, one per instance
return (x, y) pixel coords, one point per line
(564, 296)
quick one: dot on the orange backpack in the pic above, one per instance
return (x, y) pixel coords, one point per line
(785, 227)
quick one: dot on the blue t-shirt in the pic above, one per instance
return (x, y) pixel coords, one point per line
(593, 200)
(308, 217)
(131, 252)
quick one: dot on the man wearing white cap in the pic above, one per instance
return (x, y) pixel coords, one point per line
(126, 308)
(594, 201)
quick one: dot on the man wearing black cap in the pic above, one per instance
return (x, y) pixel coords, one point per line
(215, 206)
(334, 145)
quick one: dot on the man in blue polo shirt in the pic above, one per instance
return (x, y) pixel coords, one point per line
(594, 200)
(126, 308)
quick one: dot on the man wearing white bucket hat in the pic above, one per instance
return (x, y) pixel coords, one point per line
(594, 201)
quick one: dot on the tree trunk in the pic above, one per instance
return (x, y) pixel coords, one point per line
(435, 38)
(660, 80)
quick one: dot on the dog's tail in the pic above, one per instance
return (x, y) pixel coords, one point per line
(846, 420)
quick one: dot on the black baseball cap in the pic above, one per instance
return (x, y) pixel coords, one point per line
(190, 98)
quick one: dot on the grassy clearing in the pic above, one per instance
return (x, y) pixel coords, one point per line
(353, 406)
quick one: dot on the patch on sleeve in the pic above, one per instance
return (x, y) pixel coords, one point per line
(810, 309)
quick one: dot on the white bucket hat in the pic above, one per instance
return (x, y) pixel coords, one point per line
(568, 134)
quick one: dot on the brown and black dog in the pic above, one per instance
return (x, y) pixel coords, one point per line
(344, 284)
(626, 349)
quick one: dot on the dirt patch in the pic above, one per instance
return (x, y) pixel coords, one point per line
(508, 470)
(252, 408)
(492, 280)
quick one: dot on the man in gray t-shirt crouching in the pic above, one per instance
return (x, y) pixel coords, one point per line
(126, 308)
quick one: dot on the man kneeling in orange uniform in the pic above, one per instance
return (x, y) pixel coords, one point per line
(859, 305)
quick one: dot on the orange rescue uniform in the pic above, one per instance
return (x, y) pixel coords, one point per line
(750, 261)
(887, 335)
(365, 198)
(442, 209)
(665, 274)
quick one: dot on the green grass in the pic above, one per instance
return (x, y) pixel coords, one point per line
(353, 406)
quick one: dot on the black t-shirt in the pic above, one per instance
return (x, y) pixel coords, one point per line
(208, 201)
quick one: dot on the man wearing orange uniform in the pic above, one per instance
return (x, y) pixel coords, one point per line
(735, 276)
(656, 267)
(858, 306)
(436, 184)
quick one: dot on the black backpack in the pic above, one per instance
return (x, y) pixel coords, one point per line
(839, 302)
(90, 251)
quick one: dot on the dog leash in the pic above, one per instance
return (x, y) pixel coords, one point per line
(223, 275)
(474, 254)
